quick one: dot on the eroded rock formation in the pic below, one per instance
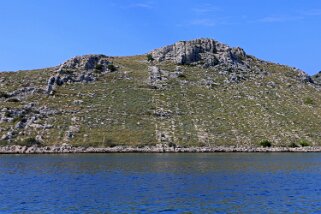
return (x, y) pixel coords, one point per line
(79, 69)
(205, 52)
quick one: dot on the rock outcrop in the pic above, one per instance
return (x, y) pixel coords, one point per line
(85, 63)
(20, 93)
(79, 69)
(205, 52)
(25, 91)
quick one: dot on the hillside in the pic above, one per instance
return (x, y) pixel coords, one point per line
(192, 93)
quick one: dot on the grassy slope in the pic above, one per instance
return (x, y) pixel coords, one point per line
(119, 110)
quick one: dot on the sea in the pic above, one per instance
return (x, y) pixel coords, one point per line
(161, 183)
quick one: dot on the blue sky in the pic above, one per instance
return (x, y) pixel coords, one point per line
(43, 33)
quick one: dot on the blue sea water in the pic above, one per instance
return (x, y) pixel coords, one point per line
(161, 183)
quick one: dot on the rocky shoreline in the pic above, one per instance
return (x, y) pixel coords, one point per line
(65, 149)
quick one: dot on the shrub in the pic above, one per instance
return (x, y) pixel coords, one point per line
(111, 68)
(99, 68)
(183, 76)
(150, 58)
(13, 100)
(171, 144)
(265, 143)
(4, 94)
(141, 146)
(3, 143)
(293, 145)
(66, 71)
(304, 143)
(308, 101)
(97, 71)
(7, 114)
(153, 87)
(109, 143)
(29, 142)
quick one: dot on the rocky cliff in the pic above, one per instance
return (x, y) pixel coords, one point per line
(191, 93)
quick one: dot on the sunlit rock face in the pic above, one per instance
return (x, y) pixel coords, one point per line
(205, 52)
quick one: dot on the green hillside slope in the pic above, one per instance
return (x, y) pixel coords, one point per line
(132, 101)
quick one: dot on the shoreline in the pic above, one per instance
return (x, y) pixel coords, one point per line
(68, 149)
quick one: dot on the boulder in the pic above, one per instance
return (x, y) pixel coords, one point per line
(39, 139)
(51, 85)
(78, 102)
(69, 134)
(163, 113)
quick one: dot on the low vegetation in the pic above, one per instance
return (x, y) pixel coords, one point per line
(109, 143)
(304, 143)
(308, 101)
(265, 143)
(13, 100)
(111, 68)
(293, 145)
(3, 94)
(99, 68)
(30, 141)
(150, 58)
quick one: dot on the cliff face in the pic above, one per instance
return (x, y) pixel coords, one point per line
(194, 93)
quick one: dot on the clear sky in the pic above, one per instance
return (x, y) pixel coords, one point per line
(43, 33)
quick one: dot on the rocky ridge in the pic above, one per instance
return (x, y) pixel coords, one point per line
(209, 53)
(204, 52)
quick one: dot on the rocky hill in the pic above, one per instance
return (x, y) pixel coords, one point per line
(191, 93)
